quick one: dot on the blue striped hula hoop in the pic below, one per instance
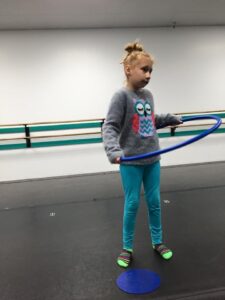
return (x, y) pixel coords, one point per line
(179, 145)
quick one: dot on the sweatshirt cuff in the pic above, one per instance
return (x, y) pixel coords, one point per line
(114, 155)
(176, 120)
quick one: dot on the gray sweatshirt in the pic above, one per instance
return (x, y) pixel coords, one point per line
(130, 126)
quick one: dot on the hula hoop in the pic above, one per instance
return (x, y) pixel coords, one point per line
(189, 141)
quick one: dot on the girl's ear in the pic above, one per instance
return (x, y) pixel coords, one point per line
(127, 69)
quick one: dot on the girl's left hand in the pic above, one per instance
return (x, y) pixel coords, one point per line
(179, 121)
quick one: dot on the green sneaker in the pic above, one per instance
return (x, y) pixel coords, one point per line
(162, 250)
(125, 258)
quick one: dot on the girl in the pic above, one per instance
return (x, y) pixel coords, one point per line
(130, 129)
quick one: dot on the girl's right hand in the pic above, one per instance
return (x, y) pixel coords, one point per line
(117, 160)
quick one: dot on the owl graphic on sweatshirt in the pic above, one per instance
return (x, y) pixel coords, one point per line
(143, 122)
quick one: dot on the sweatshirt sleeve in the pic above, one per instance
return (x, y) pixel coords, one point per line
(112, 127)
(164, 120)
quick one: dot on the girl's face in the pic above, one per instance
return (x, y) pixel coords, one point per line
(139, 73)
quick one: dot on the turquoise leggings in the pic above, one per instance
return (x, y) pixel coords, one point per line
(132, 177)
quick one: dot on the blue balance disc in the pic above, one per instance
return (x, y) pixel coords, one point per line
(138, 281)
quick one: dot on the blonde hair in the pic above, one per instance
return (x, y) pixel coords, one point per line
(134, 52)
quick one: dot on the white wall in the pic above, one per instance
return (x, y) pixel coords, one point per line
(71, 74)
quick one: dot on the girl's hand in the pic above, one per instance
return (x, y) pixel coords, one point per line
(178, 122)
(117, 160)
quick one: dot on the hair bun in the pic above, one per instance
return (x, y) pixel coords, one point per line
(131, 47)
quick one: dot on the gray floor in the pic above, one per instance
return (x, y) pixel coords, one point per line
(60, 237)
